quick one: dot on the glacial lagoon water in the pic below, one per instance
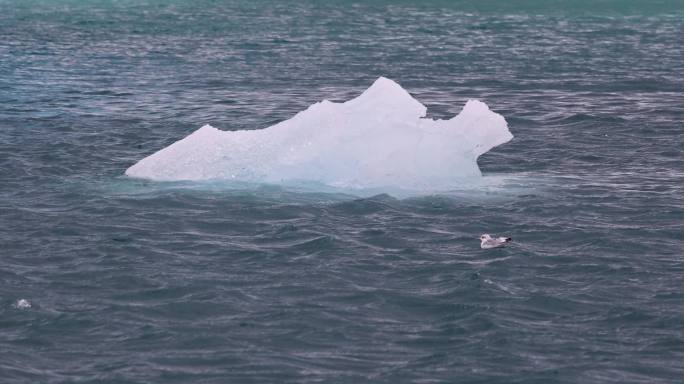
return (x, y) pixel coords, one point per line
(129, 281)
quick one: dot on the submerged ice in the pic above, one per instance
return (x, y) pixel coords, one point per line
(378, 139)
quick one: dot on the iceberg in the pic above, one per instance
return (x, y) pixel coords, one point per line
(376, 140)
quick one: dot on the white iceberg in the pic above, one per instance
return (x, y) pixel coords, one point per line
(378, 139)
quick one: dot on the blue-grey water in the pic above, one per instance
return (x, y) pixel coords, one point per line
(132, 281)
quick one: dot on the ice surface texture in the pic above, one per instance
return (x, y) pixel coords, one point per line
(378, 139)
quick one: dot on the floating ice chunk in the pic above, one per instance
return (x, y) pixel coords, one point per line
(378, 139)
(22, 304)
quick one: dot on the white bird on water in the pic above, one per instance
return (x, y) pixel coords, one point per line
(22, 304)
(487, 242)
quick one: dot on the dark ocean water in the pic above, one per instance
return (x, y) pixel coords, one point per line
(140, 282)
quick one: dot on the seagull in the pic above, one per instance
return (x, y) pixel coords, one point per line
(22, 304)
(487, 242)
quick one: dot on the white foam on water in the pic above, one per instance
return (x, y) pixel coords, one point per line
(379, 139)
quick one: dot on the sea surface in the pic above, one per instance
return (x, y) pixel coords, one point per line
(132, 281)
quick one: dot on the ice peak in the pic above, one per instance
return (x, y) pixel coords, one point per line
(385, 95)
(387, 85)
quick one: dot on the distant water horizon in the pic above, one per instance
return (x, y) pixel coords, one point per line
(106, 278)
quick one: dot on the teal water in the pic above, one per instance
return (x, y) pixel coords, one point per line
(133, 281)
